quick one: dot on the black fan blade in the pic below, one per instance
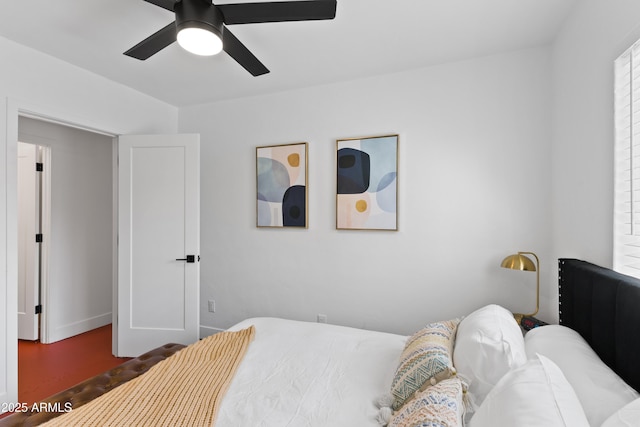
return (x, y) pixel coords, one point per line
(154, 43)
(242, 55)
(165, 4)
(253, 13)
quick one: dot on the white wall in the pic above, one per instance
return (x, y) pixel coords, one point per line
(80, 280)
(40, 82)
(32, 81)
(474, 187)
(582, 155)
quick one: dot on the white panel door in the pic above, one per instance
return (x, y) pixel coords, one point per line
(28, 255)
(158, 227)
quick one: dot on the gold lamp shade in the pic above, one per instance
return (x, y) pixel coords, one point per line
(523, 263)
(518, 262)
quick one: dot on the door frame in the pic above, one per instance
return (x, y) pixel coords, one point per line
(13, 109)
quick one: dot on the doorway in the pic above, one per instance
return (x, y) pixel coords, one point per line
(78, 266)
(11, 113)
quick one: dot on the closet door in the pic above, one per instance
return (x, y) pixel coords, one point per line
(28, 254)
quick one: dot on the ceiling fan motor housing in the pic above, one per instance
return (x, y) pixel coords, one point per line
(198, 14)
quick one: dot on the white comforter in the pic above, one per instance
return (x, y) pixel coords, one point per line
(299, 374)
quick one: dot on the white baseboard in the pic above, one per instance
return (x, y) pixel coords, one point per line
(71, 329)
(205, 331)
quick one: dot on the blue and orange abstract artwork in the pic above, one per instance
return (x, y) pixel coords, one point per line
(367, 183)
(282, 185)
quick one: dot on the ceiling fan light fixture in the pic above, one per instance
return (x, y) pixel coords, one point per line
(199, 41)
(200, 26)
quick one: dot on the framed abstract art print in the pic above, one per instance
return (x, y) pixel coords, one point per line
(281, 173)
(367, 183)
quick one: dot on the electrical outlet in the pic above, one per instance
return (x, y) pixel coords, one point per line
(212, 306)
(322, 318)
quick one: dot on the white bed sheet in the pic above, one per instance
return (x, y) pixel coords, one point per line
(303, 374)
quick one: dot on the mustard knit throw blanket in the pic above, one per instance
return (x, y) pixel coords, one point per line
(184, 390)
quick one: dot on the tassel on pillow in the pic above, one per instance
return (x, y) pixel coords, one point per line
(384, 416)
(467, 400)
(385, 413)
(385, 401)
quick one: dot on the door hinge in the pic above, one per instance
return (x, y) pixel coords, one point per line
(38, 308)
(39, 238)
(39, 167)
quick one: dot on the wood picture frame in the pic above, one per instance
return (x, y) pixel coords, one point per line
(367, 183)
(282, 185)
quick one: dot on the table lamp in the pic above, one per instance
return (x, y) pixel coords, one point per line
(521, 262)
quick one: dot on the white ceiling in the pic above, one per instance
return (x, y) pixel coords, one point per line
(367, 37)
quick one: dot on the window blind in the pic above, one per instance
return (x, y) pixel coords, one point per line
(626, 245)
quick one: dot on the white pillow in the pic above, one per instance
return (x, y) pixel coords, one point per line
(600, 390)
(488, 344)
(629, 416)
(533, 395)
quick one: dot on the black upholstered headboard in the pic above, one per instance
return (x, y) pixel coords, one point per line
(604, 307)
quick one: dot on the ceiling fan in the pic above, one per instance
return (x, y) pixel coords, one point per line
(200, 26)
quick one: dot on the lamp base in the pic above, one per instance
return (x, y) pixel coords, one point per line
(518, 317)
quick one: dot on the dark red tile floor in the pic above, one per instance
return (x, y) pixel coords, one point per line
(46, 369)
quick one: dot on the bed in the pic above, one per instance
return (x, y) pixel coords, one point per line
(477, 369)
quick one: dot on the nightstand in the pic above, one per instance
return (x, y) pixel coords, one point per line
(529, 322)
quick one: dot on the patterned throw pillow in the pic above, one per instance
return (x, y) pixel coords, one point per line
(425, 360)
(440, 405)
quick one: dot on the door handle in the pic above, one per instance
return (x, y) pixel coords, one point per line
(189, 258)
